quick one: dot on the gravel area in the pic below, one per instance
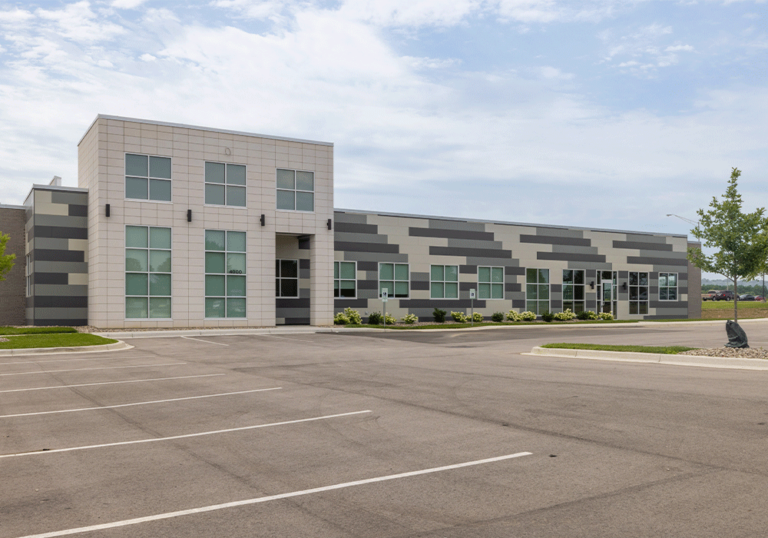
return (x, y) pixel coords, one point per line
(728, 352)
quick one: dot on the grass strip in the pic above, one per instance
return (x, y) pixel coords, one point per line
(35, 330)
(55, 340)
(662, 350)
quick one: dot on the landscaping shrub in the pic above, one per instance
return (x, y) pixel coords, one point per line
(459, 317)
(353, 316)
(439, 315)
(606, 316)
(390, 319)
(477, 317)
(514, 316)
(586, 315)
(340, 319)
(410, 319)
(565, 316)
(548, 316)
(375, 318)
(528, 316)
(498, 316)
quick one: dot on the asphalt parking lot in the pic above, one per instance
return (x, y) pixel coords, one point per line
(370, 434)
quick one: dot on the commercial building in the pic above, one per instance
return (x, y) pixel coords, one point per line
(182, 226)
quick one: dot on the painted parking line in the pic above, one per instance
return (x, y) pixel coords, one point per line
(258, 500)
(100, 368)
(206, 341)
(111, 383)
(186, 436)
(36, 361)
(138, 403)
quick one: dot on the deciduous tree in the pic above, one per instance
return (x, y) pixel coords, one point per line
(6, 260)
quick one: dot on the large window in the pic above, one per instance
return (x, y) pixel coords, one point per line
(444, 282)
(147, 272)
(537, 290)
(147, 177)
(225, 274)
(225, 184)
(638, 293)
(490, 282)
(395, 278)
(295, 190)
(287, 282)
(573, 290)
(345, 279)
(667, 286)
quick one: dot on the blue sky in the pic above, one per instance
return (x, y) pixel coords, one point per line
(601, 113)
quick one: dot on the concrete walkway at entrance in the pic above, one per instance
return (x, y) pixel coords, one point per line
(175, 333)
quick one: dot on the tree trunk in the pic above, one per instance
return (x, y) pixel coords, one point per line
(735, 300)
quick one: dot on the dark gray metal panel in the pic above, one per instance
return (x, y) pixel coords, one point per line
(419, 276)
(512, 287)
(553, 240)
(59, 231)
(297, 321)
(554, 231)
(60, 197)
(568, 249)
(51, 278)
(368, 266)
(570, 257)
(60, 313)
(472, 243)
(59, 301)
(367, 284)
(444, 304)
(348, 246)
(53, 243)
(477, 252)
(556, 304)
(341, 304)
(339, 217)
(468, 269)
(75, 322)
(497, 262)
(59, 255)
(591, 304)
(375, 257)
(344, 237)
(472, 235)
(67, 267)
(518, 303)
(281, 302)
(556, 288)
(419, 286)
(41, 219)
(50, 289)
(508, 270)
(304, 264)
(656, 239)
(638, 245)
(657, 261)
(356, 227)
(457, 225)
(78, 210)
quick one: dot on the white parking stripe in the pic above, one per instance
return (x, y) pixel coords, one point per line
(206, 341)
(138, 403)
(35, 361)
(257, 500)
(111, 383)
(101, 368)
(186, 436)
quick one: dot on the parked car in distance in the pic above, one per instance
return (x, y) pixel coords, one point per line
(746, 297)
(708, 295)
(759, 298)
(724, 296)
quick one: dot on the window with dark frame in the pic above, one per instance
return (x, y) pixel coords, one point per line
(345, 280)
(395, 278)
(295, 190)
(667, 286)
(147, 177)
(638, 292)
(490, 282)
(573, 290)
(225, 184)
(225, 274)
(287, 278)
(537, 290)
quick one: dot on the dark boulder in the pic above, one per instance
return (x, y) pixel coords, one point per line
(736, 335)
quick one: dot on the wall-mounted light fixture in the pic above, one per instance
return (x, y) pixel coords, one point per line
(107, 212)
(330, 224)
(592, 284)
(189, 215)
(263, 220)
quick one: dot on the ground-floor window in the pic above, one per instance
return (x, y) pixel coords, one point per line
(444, 282)
(573, 290)
(345, 280)
(537, 290)
(225, 274)
(395, 278)
(147, 272)
(490, 282)
(638, 293)
(667, 286)
(287, 278)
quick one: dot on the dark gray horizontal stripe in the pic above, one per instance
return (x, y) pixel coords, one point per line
(356, 228)
(511, 286)
(570, 257)
(591, 305)
(346, 246)
(556, 305)
(367, 284)
(305, 243)
(59, 231)
(78, 322)
(450, 234)
(556, 288)
(296, 321)
(303, 264)
(468, 269)
(552, 240)
(282, 302)
(466, 252)
(51, 255)
(341, 304)
(656, 261)
(62, 197)
(422, 285)
(508, 270)
(637, 245)
(340, 216)
(518, 303)
(50, 278)
(591, 273)
(56, 301)
(623, 274)
(367, 266)
(443, 304)
(76, 210)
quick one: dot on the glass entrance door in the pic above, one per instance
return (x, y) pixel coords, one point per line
(606, 292)
(606, 305)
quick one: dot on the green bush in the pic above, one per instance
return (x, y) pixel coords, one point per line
(340, 319)
(565, 316)
(547, 316)
(375, 318)
(514, 316)
(390, 319)
(459, 317)
(585, 315)
(528, 316)
(353, 316)
(477, 317)
(606, 316)
(410, 319)
(439, 315)
(498, 316)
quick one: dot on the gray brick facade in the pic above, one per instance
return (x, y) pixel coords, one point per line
(12, 289)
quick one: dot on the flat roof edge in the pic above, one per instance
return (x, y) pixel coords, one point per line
(57, 188)
(6, 206)
(504, 223)
(201, 128)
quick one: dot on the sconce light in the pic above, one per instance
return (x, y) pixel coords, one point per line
(189, 215)
(330, 224)
(263, 220)
(107, 213)
(592, 284)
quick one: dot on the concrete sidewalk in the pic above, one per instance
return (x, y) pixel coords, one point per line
(175, 333)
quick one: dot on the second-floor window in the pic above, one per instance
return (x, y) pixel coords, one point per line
(225, 184)
(147, 177)
(295, 190)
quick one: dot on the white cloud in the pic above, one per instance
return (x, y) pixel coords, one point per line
(147, 58)
(15, 16)
(679, 48)
(127, 4)
(80, 24)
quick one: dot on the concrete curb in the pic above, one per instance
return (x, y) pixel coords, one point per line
(117, 346)
(678, 360)
(212, 332)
